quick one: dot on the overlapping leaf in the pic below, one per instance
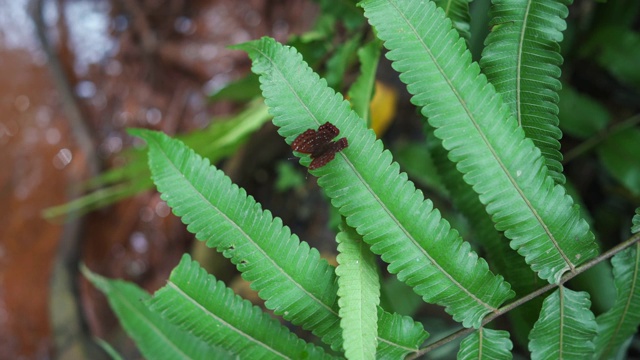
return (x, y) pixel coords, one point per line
(375, 198)
(295, 282)
(155, 337)
(204, 307)
(522, 60)
(566, 327)
(616, 325)
(489, 147)
(486, 344)
(359, 295)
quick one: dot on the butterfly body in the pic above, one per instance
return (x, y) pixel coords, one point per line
(319, 144)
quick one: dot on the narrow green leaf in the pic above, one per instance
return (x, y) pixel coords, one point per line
(361, 91)
(340, 61)
(359, 295)
(503, 259)
(287, 273)
(155, 337)
(566, 327)
(618, 324)
(220, 139)
(522, 60)
(113, 353)
(486, 344)
(200, 305)
(371, 193)
(398, 335)
(489, 147)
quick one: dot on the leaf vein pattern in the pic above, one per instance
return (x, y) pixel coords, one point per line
(380, 202)
(190, 299)
(486, 141)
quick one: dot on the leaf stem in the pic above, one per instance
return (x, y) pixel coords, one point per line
(505, 309)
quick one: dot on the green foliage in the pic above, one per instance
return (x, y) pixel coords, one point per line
(493, 143)
(483, 138)
(622, 320)
(156, 338)
(359, 295)
(486, 344)
(373, 196)
(197, 303)
(521, 59)
(565, 328)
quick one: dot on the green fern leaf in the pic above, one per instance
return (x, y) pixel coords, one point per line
(566, 327)
(222, 214)
(522, 60)
(616, 325)
(359, 295)
(503, 166)
(458, 12)
(486, 344)
(371, 193)
(155, 337)
(200, 305)
(287, 273)
(398, 335)
(362, 89)
(503, 259)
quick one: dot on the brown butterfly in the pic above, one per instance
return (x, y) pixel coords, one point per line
(319, 144)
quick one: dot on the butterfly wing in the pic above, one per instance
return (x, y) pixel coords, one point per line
(329, 154)
(304, 143)
(322, 160)
(319, 144)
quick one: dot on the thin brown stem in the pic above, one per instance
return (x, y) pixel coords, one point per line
(505, 309)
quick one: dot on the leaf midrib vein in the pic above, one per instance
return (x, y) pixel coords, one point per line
(486, 141)
(193, 301)
(379, 201)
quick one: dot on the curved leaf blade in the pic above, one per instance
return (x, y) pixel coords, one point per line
(358, 295)
(486, 344)
(287, 273)
(155, 337)
(200, 305)
(616, 325)
(522, 60)
(566, 327)
(375, 198)
(221, 214)
(503, 166)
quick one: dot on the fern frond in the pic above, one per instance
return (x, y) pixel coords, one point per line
(359, 295)
(616, 325)
(295, 282)
(522, 60)
(371, 193)
(486, 344)
(155, 337)
(398, 335)
(566, 327)
(200, 305)
(503, 166)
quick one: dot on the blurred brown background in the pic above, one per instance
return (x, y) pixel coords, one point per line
(74, 75)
